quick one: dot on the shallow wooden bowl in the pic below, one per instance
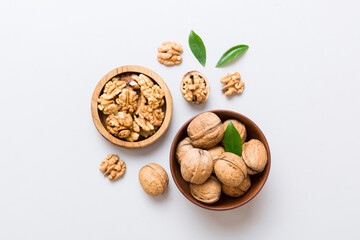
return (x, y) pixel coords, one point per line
(99, 118)
(225, 202)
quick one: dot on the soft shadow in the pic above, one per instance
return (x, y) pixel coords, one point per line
(238, 218)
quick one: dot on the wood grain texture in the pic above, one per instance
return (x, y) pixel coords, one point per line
(225, 202)
(206, 82)
(99, 118)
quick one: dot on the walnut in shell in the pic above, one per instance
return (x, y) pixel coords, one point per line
(239, 127)
(216, 152)
(255, 156)
(208, 192)
(182, 148)
(196, 166)
(230, 169)
(195, 87)
(153, 179)
(206, 130)
(238, 190)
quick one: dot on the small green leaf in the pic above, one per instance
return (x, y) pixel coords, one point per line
(231, 54)
(197, 47)
(232, 140)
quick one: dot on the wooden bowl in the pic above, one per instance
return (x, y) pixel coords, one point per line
(99, 118)
(225, 202)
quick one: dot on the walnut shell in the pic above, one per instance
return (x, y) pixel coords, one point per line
(230, 169)
(196, 166)
(182, 148)
(239, 127)
(238, 190)
(208, 192)
(153, 179)
(255, 156)
(216, 153)
(206, 130)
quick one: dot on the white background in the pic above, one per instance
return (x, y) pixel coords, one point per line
(302, 89)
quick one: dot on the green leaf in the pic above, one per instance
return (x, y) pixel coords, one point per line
(232, 140)
(231, 54)
(197, 47)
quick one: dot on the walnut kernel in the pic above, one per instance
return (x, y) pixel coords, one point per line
(233, 84)
(169, 53)
(195, 87)
(113, 167)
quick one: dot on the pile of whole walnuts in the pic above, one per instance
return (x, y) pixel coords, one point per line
(133, 104)
(208, 168)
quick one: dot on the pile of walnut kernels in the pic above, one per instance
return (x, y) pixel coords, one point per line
(133, 106)
(211, 170)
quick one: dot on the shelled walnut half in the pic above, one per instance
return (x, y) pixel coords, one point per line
(195, 87)
(233, 84)
(169, 53)
(113, 167)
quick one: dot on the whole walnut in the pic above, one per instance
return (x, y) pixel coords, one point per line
(153, 179)
(208, 192)
(196, 166)
(238, 190)
(230, 169)
(255, 156)
(216, 152)
(239, 127)
(182, 148)
(206, 130)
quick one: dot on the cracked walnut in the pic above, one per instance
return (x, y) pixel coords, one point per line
(169, 53)
(113, 167)
(195, 87)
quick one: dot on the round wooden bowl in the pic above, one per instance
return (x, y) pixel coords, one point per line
(225, 202)
(206, 82)
(99, 118)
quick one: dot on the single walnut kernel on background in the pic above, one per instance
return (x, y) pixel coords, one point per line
(233, 84)
(169, 53)
(133, 105)
(195, 87)
(113, 167)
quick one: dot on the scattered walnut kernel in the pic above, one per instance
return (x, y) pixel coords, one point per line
(113, 167)
(169, 53)
(195, 87)
(233, 84)
(133, 104)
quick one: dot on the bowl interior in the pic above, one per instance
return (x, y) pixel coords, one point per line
(225, 202)
(99, 118)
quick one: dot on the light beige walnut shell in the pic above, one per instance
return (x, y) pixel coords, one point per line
(255, 156)
(239, 127)
(238, 190)
(230, 169)
(216, 153)
(153, 179)
(206, 130)
(182, 148)
(208, 192)
(196, 166)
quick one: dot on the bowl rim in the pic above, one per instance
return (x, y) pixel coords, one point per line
(95, 112)
(209, 207)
